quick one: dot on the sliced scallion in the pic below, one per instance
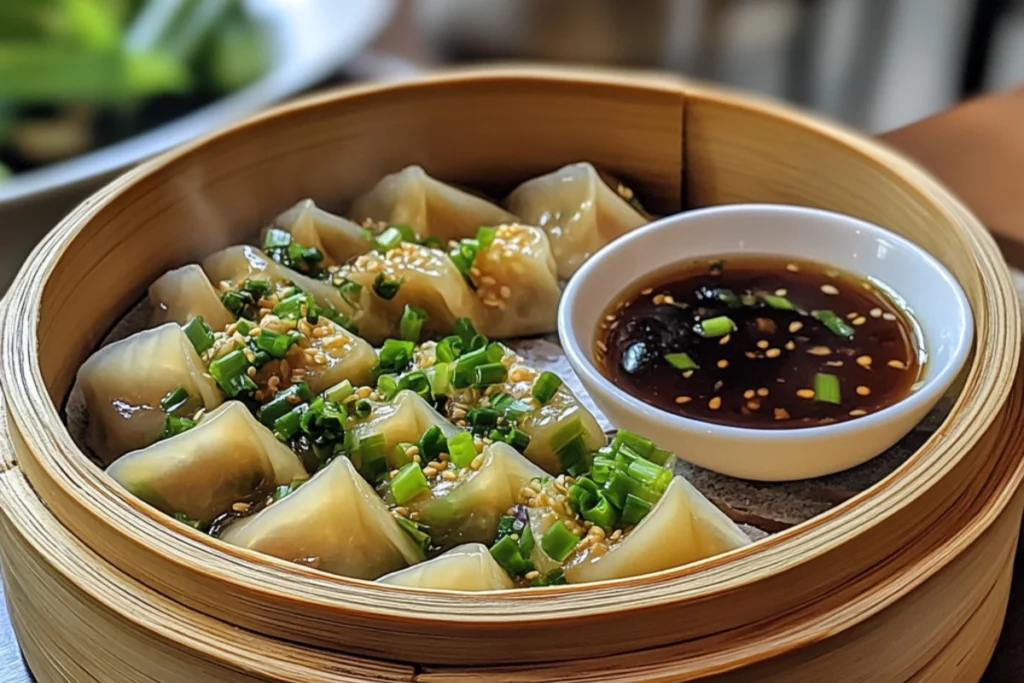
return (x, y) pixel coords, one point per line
(175, 399)
(834, 323)
(717, 327)
(340, 391)
(174, 425)
(408, 483)
(439, 379)
(411, 324)
(546, 386)
(635, 509)
(388, 240)
(432, 444)
(490, 373)
(780, 303)
(199, 333)
(482, 419)
(385, 287)
(559, 542)
(826, 388)
(681, 361)
(283, 403)
(417, 382)
(461, 449)
(274, 343)
(229, 371)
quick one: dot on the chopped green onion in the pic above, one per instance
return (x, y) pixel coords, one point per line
(395, 355)
(408, 234)
(449, 349)
(229, 371)
(482, 419)
(748, 299)
(461, 449)
(634, 509)
(574, 457)
(546, 386)
(236, 301)
(729, 298)
(373, 460)
(387, 386)
(258, 288)
(485, 236)
(432, 242)
(600, 512)
(464, 330)
(174, 399)
(648, 473)
(490, 373)
(349, 291)
(567, 432)
(507, 554)
(362, 408)
(290, 424)
(408, 483)
(174, 425)
(295, 306)
(415, 532)
(277, 238)
(339, 392)
(511, 407)
(660, 456)
(681, 361)
(463, 255)
(717, 327)
(717, 265)
(199, 333)
(514, 437)
(834, 323)
(526, 540)
(286, 489)
(244, 326)
(439, 379)
(432, 444)
(274, 343)
(411, 324)
(559, 542)
(465, 369)
(386, 288)
(388, 240)
(400, 454)
(556, 577)
(417, 382)
(826, 388)
(638, 444)
(283, 403)
(778, 302)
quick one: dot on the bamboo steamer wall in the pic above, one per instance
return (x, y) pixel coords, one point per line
(815, 593)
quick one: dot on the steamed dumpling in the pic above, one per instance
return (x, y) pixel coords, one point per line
(337, 239)
(404, 420)
(428, 206)
(334, 355)
(201, 473)
(334, 522)
(579, 211)
(185, 293)
(467, 567)
(467, 509)
(122, 385)
(683, 527)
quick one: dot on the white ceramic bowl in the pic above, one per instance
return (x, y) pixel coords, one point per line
(920, 284)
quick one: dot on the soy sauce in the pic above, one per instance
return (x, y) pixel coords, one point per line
(760, 341)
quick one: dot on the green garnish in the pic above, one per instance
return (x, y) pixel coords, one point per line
(386, 288)
(387, 386)
(780, 303)
(826, 388)
(199, 333)
(635, 509)
(408, 483)
(485, 236)
(461, 449)
(339, 392)
(350, 291)
(273, 343)
(187, 521)
(284, 402)
(174, 400)
(482, 419)
(417, 382)
(395, 356)
(729, 298)
(229, 371)
(834, 323)
(546, 386)
(681, 361)
(432, 444)
(490, 373)
(285, 490)
(507, 553)
(174, 425)
(411, 324)
(373, 457)
(559, 542)
(717, 327)
(416, 532)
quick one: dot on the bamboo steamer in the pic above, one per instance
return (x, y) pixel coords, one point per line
(930, 545)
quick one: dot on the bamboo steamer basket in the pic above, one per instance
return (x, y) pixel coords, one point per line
(816, 593)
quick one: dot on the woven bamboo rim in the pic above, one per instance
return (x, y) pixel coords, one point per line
(726, 138)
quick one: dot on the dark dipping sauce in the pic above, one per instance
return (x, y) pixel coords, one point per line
(809, 344)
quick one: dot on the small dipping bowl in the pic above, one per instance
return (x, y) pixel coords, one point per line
(917, 283)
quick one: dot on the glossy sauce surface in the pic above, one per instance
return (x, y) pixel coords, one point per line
(767, 372)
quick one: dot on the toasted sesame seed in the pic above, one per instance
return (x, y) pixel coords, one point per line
(669, 299)
(860, 320)
(781, 291)
(762, 392)
(864, 361)
(750, 354)
(790, 345)
(449, 475)
(602, 346)
(858, 412)
(488, 280)
(719, 384)
(749, 394)
(888, 316)
(792, 267)
(819, 351)
(240, 507)
(851, 316)
(831, 290)
(898, 364)
(414, 516)
(610, 318)
(392, 474)
(688, 374)
(834, 363)
(724, 340)
(773, 353)
(805, 393)
(646, 291)
(477, 463)
(683, 399)
(428, 472)
(505, 291)
(722, 364)
(781, 414)
(531, 575)
(863, 390)
(795, 326)
(251, 371)
(715, 403)
(658, 299)
(763, 344)
(754, 405)
(875, 312)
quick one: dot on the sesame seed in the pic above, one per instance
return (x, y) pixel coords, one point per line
(819, 351)
(719, 384)
(749, 394)
(790, 345)
(864, 361)
(531, 575)
(773, 353)
(240, 507)
(750, 354)
(683, 399)
(251, 371)
(762, 392)
(754, 405)
(781, 414)
(792, 267)
(858, 412)
(610, 318)
(669, 299)
(722, 364)
(658, 299)
(449, 475)
(805, 393)
(477, 463)
(688, 374)
(781, 291)
(795, 326)
(888, 316)
(505, 291)
(646, 291)
(863, 390)
(831, 290)
(875, 312)
(898, 364)
(602, 346)
(715, 403)
(763, 344)
(851, 316)
(860, 320)
(428, 472)
(834, 363)
(724, 340)
(488, 280)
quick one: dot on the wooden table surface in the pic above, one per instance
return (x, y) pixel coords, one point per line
(977, 149)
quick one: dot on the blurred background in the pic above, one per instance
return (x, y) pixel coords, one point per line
(89, 88)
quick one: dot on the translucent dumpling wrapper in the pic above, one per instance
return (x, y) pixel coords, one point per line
(467, 567)
(334, 522)
(467, 509)
(231, 267)
(227, 458)
(185, 293)
(429, 280)
(428, 206)
(683, 527)
(122, 385)
(403, 420)
(578, 209)
(337, 239)
(334, 355)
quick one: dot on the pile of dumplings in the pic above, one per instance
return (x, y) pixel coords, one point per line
(338, 398)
